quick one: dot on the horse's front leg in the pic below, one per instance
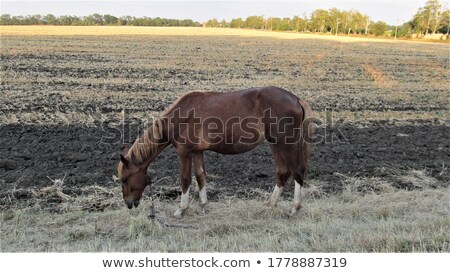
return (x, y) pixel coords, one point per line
(185, 179)
(200, 174)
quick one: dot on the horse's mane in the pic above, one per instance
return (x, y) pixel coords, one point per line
(147, 145)
(144, 147)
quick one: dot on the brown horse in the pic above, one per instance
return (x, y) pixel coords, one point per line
(227, 123)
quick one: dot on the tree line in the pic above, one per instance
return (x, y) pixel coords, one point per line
(95, 20)
(430, 19)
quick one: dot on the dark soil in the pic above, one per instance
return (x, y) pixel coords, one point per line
(33, 154)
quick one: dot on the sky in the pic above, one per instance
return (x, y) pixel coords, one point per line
(390, 11)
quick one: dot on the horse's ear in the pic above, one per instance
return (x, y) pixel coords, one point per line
(157, 128)
(125, 161)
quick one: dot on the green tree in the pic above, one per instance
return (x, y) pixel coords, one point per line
(237, 23)
(306, 22)
(366, 19)
(346, 17)
(297, 24)
(5, 19)
(98, 19)
(254, 22)
(419, 22)
(188, 23)
(404, 30)
(284, 24)
(34, 20)
(319, 20)
(223, 23)
(109, 19)
(67, 20)
(87, 21)
(432, 12)
(274, 23)
(445, 22)
(50, 19)
(357, 22)
(119, 22)
(379, 28)
(212, 23)
(335, 20)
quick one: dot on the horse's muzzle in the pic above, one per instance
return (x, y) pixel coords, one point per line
(132, 203)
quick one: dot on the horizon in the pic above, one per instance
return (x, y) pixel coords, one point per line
(391, 12)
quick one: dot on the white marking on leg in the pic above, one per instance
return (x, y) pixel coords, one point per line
(203, 197)
(275, 196)
(298, 197)
(184, 204)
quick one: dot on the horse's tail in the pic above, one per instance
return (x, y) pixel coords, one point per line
(306, 133)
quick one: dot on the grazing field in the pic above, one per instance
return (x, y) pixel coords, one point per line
(164, 31)
(378, 178)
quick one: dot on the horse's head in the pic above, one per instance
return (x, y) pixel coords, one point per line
(133, 180)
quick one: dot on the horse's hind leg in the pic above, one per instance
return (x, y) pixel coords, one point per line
(297, 166)
(282, 175)
(298, 197)
(200, 174)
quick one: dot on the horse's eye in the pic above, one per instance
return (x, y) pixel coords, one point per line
(124, 181)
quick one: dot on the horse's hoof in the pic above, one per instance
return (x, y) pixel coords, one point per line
(293, 211)
(178, 214)
(202, 210)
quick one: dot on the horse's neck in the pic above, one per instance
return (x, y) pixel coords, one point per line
(149, 150)
(155, 153)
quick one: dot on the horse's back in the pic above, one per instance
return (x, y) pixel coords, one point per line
(264, 96)
(253, 102)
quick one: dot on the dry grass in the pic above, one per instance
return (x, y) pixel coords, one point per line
(379, 78)
(173, 31)
(368, 216)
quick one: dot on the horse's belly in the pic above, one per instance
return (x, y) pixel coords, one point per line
(237, 144)
(235, 137)
(237, 148)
